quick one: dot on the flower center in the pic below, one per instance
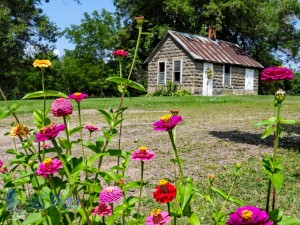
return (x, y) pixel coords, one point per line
(163, 182)
(143, 149)
(77, 93)
(157, 217)
(246, 215)
(110, 189)
(166, 118)
(47, 162)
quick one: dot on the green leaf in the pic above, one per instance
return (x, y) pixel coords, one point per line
(276, 215)
(91, 146)
(34, 218)
(118, 80)
(136, 86)
(53, 215)
(186, 192)
(64, 143)
(270, 121)
(236, 200)
(6, 112)
(288, 220)
(277, 180)
(49, 93)
(92, 158)
(65, 195)
(288, 122)
(108, 176)
(75, 130)
(193, 219)
(268, 131)
(220, 192)
(77, 170)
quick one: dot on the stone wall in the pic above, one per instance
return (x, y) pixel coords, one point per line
(192, 72)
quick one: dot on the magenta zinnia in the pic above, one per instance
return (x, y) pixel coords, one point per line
(249, 215)
(110, 194)
(120, 52)
(157, 217)
(91, 128)
(49, 166)
(61, 107)
(49, 132)
(142, 154)
(274, 73)
(167, 122)
(102, 210)
(78, 96)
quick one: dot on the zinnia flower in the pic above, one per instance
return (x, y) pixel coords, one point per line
(158, 218)
(91, 128)
(165, 192)
(49, 132)
(140, 20)
(102, 210)
(43, 63)
(110, 194)
(249, 215)
(1, 163)
(274, 73)
(78, 96)
(142, 154)
(167, 122)
(49, 166)
(120, 52)
(19, 130)
(61, 107)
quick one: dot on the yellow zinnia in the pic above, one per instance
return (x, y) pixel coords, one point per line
(43, 63)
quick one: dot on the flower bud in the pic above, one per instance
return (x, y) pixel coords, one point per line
(211, 178)
(30, 162)
(280, 95)
(139, 20)
(174, 112)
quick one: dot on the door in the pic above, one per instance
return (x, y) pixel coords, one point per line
(207, 81)
(249, 79)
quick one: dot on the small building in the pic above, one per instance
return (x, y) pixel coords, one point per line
(202, 65)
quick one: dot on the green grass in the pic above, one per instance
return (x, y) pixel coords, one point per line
(217, 133)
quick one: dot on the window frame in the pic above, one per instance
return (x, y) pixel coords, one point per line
(173, 70)
(224, 74)
(158, 72)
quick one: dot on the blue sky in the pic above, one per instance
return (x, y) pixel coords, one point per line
(67, 12)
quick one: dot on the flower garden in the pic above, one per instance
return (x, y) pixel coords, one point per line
(47, 183)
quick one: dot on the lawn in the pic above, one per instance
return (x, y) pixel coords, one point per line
(217, 133)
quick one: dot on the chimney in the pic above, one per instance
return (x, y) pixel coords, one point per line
(212, 32)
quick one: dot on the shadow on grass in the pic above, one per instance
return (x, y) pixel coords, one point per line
(290, 140)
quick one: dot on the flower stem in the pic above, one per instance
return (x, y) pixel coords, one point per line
(229, 193)
(176, 153)
(43, 88)
(67, 133)
(136, 50)
(141, 188)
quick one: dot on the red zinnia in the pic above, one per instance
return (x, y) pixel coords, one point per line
(165, 192)
(120, 52)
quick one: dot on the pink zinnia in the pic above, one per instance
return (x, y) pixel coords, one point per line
(121, 53)
(49, 166)
(102, 210)
(61, 107)
(276, 73)
(142, 154)
(110, 194)
(167, 122)
(49, 132)
(158, 218)
(78, 96)
(91, 128)
(1, 163)
(249, 215)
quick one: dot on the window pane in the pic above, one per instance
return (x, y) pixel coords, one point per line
(177, 76)
(161, 78)
(177, 66)
(227, 69)
(227, 79)
(161, 67)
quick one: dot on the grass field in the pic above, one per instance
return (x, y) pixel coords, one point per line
(217, 132)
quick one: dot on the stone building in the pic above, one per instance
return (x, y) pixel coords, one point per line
(202, 65)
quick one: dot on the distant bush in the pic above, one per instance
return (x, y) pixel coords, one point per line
(171, 89)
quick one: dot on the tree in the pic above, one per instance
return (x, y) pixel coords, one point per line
(94, 41)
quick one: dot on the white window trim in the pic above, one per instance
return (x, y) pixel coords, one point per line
(173, 70)
(159, 72)
(229, 76)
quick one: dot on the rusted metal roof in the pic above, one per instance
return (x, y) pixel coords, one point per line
(206, 49)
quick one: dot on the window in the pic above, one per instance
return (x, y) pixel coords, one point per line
(161, 73)
(226, 76)
(177, 71)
